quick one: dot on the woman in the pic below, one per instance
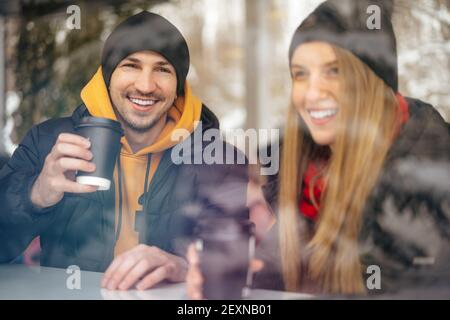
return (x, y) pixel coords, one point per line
(364, 172)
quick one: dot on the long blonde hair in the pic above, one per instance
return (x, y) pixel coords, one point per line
(368, 118)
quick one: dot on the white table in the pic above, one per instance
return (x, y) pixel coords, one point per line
(41, 283)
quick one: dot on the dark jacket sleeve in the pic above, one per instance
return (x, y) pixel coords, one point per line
(20, 220)
(406, 230)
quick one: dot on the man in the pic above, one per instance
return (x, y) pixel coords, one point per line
(3, 159)
(142, 84)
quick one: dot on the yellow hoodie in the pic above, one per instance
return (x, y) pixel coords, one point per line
(183, 114)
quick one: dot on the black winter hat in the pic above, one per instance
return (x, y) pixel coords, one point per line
(146, 31)
(348, 25)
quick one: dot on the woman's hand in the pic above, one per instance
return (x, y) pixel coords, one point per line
(194, 279)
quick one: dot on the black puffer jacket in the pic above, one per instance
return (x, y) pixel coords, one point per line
(79, 230)
(406, 223)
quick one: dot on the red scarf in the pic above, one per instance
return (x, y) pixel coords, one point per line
(306, 205)
(404, 109)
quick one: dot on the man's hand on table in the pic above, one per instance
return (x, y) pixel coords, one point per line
(143, 267)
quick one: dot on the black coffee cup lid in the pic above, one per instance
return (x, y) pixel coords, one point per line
(100, 122)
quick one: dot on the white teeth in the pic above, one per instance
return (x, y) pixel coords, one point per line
(322, 114)
(142, 102)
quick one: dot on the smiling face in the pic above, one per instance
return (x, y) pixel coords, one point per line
(315, 88)
(142, 89)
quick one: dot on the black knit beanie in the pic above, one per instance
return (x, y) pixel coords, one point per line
(146, 31)
(344, 23)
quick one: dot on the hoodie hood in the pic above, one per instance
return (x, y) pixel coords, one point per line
(183, 114)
